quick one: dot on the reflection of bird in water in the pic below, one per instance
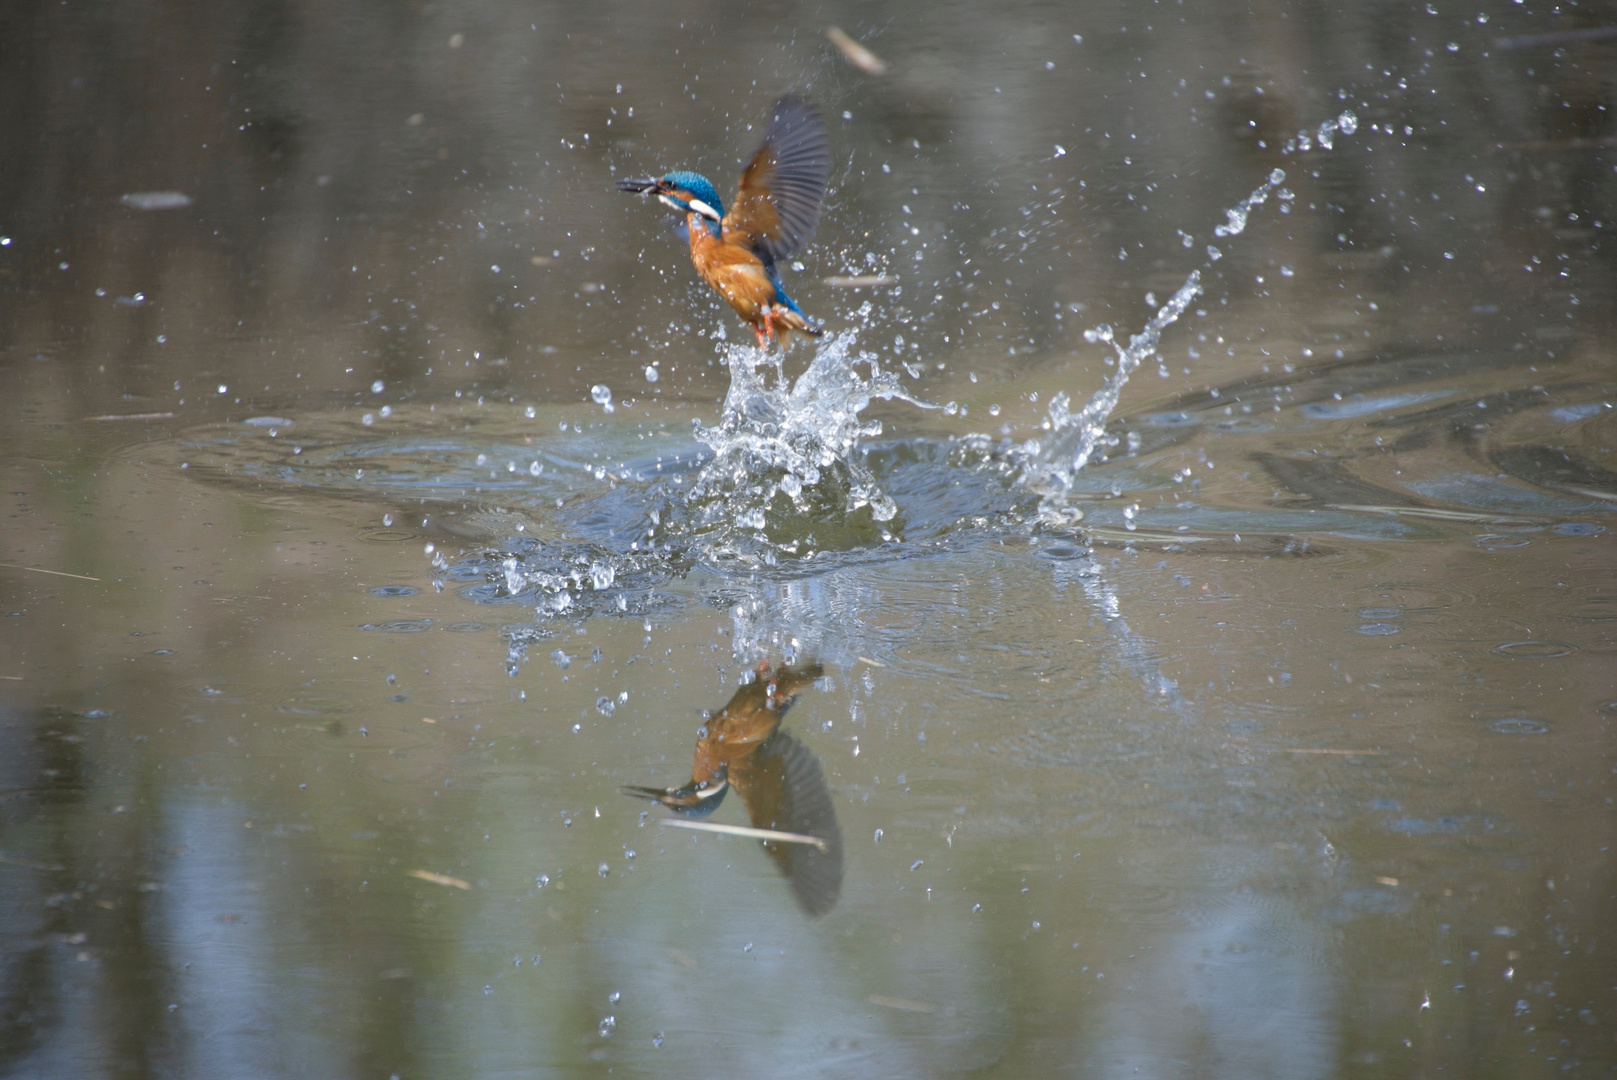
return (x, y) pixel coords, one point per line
(776, 208)
(779, 781)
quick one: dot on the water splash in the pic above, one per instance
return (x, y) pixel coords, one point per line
(1051, 462)
(790, 474)
(786, 473)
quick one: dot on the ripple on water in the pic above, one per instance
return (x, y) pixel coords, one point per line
(1594, 609)
(1535, 650)
(305, 705)
(1170, 419)
(1352, 904)
(400, 626)
(1579, 528)
(1379, 629)
(1500, 542)
(1409, 597)
(1063, 552)
(1518, 725)
(394, 590)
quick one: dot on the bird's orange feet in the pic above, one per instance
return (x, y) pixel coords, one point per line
(766, 332)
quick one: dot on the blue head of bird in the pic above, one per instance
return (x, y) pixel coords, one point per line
(685, 193)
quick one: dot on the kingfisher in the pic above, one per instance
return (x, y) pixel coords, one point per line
(779, 781)
(777, 205)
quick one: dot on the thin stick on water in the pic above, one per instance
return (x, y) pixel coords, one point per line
(42, 570)
(743, 830)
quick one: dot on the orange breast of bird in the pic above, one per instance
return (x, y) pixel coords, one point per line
(733, 272)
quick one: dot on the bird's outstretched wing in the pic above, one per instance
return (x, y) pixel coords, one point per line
(784, 789)
(778, 200)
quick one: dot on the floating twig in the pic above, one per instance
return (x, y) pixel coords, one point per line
(743, 830)
(859, 56)
(41, 570)
(440, 879)
(902, 1004)
(1555, 37)
(859, 281)
(1331, 750)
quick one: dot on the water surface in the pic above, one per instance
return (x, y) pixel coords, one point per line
(1277, 740)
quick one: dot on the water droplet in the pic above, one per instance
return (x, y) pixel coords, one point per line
(652, 374)
(657, 1040)
(602, 396)
(378, 386)
(609, 1026)
(605, 706)
(603, 869)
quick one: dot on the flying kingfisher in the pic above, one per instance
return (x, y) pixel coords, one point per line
(776, 207)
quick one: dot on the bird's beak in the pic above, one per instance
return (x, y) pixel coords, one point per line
(693, 800)
(637, 187)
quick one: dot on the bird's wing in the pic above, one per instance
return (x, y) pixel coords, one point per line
(778, 200)
(784, 789)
